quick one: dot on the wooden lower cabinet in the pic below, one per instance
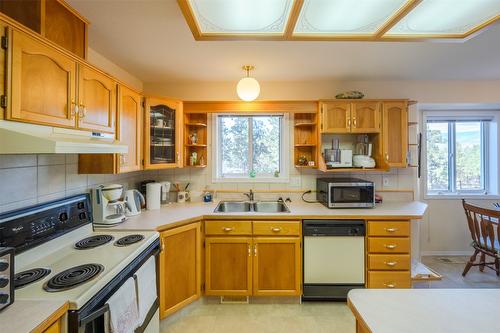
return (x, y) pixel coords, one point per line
(388, 254)
(243, 265)
(277, 266)
(54, 328)
(180, 267)
(228, 266)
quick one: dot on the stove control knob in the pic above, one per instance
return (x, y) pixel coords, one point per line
(63, 217)
(3, 282)
(4, 298)
(82, 216)
(4, 264)
(80, 205)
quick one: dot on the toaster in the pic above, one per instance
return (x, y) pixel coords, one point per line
(6, 277)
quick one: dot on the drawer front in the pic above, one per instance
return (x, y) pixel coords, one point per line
(228, 227)
(276, 228)
(389, 228)
(389, 280)
(388, 245)
(389, 262)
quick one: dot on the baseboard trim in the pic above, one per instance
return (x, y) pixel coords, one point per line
(447, 253)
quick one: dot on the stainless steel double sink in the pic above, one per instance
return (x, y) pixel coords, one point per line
(248, 206)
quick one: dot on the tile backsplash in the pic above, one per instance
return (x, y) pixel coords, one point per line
(29, 179)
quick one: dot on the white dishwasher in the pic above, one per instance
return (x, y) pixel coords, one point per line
(334, 258)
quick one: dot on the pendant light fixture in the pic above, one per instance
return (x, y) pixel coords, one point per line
(248, 88)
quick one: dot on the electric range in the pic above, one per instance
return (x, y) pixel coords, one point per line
(59, 255)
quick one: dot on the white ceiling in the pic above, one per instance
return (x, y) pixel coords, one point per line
(150, 39)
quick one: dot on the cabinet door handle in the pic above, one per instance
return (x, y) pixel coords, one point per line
(163, 246)
(386, 156)
(275, 229)
(74, 110)
(391, 263)
(391, 230)
(255, 250)
(390, 285)
(390, 246)
(227, 229)
(348, 122)
(82, 111)
(354, 122)
(249, 251)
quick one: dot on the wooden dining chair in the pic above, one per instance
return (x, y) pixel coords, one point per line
(484, 228)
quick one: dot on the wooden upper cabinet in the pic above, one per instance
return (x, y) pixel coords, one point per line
(395, 133)
(129, 130)
(97, 101)
(65, 27)
(277, 268)
(228, 266)
(53, 19)
(43, 83)
(180, 268)
(162, 133)
(335, 117)
(365, 117)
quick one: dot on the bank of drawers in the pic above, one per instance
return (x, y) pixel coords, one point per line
(388, 254)
(257, 228)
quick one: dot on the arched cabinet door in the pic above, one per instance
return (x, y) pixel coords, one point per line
(129, 129)
(43, 84)
(96, 101)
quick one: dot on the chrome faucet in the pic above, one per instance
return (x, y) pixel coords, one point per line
(250, 195)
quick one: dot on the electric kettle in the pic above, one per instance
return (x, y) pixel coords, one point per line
(133, 202)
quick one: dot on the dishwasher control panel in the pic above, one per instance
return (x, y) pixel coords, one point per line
(334, 228)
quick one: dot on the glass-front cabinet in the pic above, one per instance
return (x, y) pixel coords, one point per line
(163, 133)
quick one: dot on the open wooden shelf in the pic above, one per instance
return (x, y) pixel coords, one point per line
(305, 137)
(195, 123)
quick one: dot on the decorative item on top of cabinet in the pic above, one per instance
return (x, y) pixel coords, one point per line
(195, 139)
(53, 19)
(97, 100)
(163, 133)
(129, 132)
(395, 133)
(305, 140)
(43, 85)
(180, 268)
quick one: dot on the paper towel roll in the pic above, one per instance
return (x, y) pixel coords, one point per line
(153, 193)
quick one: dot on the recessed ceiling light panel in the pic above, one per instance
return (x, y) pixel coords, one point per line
(345, 17)
(241, 16)
(446, 17)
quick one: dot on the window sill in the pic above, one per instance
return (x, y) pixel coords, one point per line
(251, 180)
(461, 196)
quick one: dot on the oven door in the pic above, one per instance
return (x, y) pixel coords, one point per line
(347, 195)
(93, 316)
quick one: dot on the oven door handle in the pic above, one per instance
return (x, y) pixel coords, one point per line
(93, 315)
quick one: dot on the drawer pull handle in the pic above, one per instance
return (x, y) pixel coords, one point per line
(227, 229)
(391, 263)
(391, 229)
(276, 229)
(390, 246)
(390, 285)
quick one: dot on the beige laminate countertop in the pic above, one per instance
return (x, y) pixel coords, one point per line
(173, 215)
(31, 316)
(427, 310)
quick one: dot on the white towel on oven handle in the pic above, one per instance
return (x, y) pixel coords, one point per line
(145, 279)
(123, 312)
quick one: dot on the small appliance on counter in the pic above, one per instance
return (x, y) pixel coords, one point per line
(6, 277)
(107, 207)
(336, 157)
(134, 201)
(362, 153)
(165, 192)
(153, 196)
(345, 192)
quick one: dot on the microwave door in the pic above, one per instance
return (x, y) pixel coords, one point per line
(349, 196)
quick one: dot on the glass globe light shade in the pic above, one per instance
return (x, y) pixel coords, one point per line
(248, 89)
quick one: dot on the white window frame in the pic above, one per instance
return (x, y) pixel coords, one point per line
(284, 152)
(490, 160)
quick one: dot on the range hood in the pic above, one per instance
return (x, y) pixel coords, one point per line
(21, 138)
